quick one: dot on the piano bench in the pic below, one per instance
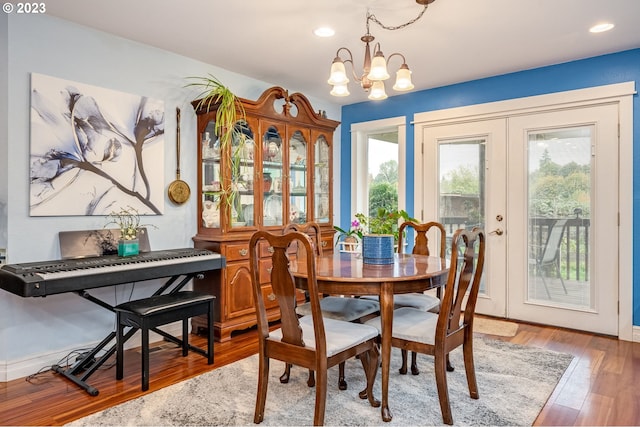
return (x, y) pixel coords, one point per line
(149, 313)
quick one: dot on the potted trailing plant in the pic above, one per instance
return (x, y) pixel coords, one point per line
(229, 111)
(128, 222)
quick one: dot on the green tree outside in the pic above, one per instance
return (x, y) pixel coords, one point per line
(464, 180)
(383, 188)
(557, 191)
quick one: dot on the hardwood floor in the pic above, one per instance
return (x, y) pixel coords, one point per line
(600, 387)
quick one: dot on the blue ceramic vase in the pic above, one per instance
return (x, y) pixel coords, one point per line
(377, 249)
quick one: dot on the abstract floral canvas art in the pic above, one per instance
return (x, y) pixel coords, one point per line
(94, 150)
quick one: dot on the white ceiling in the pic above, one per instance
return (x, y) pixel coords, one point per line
(455, 41)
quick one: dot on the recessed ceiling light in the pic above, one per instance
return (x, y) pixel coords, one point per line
(600, 28)
(324, 32)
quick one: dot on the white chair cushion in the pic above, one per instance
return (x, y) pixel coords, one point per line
(338, 308)
(340, 335)
(411, 324)
(416, 300)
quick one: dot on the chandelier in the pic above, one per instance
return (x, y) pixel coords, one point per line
(374, 69)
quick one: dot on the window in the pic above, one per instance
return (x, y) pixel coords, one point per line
(382, 166)
(375, 144)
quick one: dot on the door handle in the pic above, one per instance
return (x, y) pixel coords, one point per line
(497, 231)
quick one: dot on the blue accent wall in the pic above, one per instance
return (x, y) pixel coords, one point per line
(597, 71)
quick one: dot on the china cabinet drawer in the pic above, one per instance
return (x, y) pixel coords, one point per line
(268, 297)
(237, 252)
(265, 271)
(327, 244)
(265, 250)
(270, 300)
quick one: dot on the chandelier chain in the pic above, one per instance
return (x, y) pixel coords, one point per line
(373, 18)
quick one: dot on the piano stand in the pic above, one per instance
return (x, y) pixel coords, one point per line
(83, 368)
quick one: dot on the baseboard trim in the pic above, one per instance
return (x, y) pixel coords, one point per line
(20, 368)
(636, 334)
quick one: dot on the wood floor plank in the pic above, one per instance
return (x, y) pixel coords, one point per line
(575, 389)
(557, 415)
(596, 411)
(626, 406)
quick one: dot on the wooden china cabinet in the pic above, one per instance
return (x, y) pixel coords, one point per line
(278, 170)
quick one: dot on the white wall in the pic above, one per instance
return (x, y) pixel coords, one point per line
(34, 332)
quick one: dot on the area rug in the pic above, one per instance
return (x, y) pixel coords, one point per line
(500, 328)
(514, 384)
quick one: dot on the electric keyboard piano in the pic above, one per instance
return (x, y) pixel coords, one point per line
(37, 279)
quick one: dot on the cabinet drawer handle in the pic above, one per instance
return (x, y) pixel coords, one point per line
(324, 244)
(269, 270)
(244, 251)
(270, 249)
(271, 297)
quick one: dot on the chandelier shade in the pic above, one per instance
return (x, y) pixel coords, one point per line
(374, 69)
(338, 74)
(378, 67)
(377, 91)
(403, 79)
(340, 90)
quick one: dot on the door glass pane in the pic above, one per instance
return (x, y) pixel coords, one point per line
(462, 187)
(559, 201)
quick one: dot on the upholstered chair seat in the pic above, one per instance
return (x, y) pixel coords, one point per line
(416, 300)
(411, 324)
(339, 335)
(345, 309)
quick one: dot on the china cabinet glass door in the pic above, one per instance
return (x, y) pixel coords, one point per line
(211, 184)
(272, 177)
(242, 173)
(321, 176)
(298, 189)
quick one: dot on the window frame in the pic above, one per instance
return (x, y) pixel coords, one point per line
(360, 133)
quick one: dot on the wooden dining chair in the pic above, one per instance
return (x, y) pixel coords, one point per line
(437, 334)
(343, 308)
(420, 301)
(314, 342)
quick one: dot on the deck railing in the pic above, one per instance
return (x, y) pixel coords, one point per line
(573, 262)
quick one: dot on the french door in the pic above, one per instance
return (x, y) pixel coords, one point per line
(564, 164)
(464, 167)
(544, 186)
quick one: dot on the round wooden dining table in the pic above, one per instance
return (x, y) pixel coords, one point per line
(342, 273)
